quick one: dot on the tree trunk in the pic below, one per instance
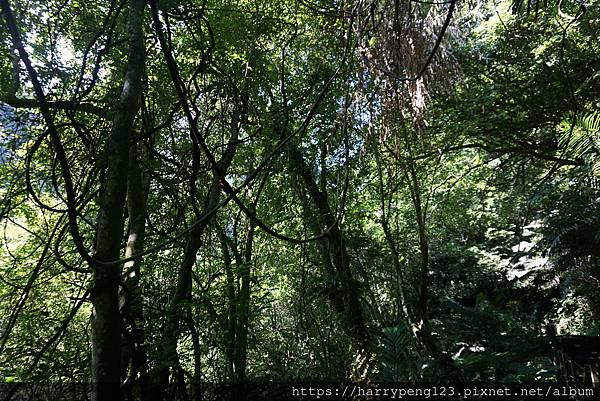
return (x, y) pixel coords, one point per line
(424, 333)
(344, 292)
(177, 311)
(131, 297)
(415, 189)
(106, 324)
(179, 305)
(238, 298)
(241, 344)
(231, 294)
(391, 242)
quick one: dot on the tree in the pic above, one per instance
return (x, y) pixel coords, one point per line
(273, 191)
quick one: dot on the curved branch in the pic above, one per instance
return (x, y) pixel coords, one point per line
(90, 108)
(55, 138)
(176, 78)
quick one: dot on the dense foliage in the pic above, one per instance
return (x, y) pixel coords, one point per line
(232, 191)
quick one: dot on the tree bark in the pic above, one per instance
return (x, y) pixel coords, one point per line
(415, 189)
(238, 297)
(167, 353)
(391, 242)
(344, 291)
(179, 306)
(106, 325)
(134, 350)
(241, 344)
(230, 330)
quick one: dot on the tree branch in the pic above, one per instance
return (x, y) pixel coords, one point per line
(90, 108)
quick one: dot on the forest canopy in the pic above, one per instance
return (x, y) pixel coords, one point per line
(217, 191)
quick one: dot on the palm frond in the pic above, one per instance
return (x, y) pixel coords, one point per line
(393, 353)
(581, 139)
(590, 122)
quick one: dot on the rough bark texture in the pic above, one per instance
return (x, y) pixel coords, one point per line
(106, 322)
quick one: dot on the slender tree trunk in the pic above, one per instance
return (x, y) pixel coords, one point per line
(179, 305)
(159, 376)
(238, 303)
(344, 293)
(424, 332)
(231, 293)
(415, 189)
(391, 241)
(241, 344)
(134, 350)
(197, 378)
(106, 322)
